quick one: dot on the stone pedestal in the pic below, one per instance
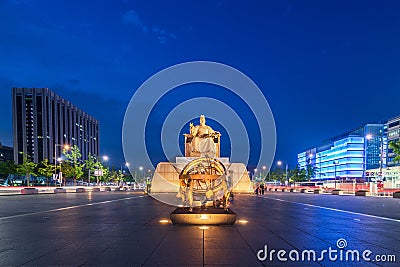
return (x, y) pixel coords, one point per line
(166, 176)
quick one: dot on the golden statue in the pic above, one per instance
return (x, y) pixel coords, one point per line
(202, 141)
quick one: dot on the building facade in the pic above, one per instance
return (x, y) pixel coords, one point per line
(43, 122)
(393, 133)
(347, 157)
(6, 153)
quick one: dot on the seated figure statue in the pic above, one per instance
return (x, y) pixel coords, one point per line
(202, 139)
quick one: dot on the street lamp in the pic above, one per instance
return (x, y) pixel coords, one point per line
(66, 147)
(335, 163)
(279, 162)
(264, 174)
(141, 170)
(105, 158)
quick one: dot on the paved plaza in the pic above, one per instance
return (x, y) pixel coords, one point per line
(124, 229)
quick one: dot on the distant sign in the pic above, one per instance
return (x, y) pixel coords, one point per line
(98, 173)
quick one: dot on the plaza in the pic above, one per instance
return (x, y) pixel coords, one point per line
(132, 229)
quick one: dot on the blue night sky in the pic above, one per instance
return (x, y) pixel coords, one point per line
(325, 67)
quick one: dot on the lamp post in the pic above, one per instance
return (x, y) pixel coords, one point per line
(335, 163)
(60, 173)
(66, 147)
(122, 170)
(264, 174)
(286, 170)
(105, 158)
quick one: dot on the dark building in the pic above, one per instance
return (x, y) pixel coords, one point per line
(43, 122)
(6, 153)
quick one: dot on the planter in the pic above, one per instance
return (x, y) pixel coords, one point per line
(29, 191)
(317, 191)
(363, 193)
(60, 190)
(337, 192)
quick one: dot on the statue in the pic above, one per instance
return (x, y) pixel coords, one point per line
(204, 179)
(202, 139)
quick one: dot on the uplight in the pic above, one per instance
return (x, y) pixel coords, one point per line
(204, 227)
(163, 221)
(243, 221)
(204, 217)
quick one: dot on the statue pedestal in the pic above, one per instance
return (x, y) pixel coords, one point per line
(211, 216)
(166, 176)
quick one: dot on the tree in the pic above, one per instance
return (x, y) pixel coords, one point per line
(67, 170)
(26, 168)
(90, 165)
(310, 171)
(74, 157)
(298, 175)
(395, 146)
(7, 168)
(46, 169)
(277, 175)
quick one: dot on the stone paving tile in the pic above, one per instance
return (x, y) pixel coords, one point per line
(128, 232)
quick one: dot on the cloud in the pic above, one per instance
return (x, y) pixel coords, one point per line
(132, 17)
(162, 35)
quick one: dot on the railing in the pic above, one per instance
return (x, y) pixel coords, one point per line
(346, 188)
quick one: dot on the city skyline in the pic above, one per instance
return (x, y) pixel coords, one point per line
(320, 79)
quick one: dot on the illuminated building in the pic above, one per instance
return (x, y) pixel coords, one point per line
(348, 156)
(42, 120)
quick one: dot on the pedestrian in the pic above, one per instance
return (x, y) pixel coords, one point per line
(262, 188)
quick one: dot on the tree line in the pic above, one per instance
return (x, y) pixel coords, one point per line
(73, 168)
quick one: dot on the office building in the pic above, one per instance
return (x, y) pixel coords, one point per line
(348, 156)
(393, 129)
(43, 122)
(6, 153)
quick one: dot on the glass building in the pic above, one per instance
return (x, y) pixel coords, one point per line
(393, 130)
(43, 122)
(348, 156)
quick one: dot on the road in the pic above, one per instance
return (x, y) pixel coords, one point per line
(123, 229)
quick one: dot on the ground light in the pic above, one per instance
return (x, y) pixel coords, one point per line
(204, 227)
(163, 221)
(243, 221)
(204, 217)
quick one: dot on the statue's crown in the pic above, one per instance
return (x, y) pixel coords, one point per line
(202, 116)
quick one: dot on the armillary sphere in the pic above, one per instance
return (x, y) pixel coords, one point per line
(205, 175)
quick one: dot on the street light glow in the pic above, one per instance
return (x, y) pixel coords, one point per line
(105, 158)
(141, 168)
(127, 164)
(279, 163)
(368, 136)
